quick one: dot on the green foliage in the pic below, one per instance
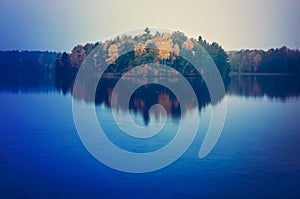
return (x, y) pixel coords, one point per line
(147, 32)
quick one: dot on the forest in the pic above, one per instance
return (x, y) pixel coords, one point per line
(279, 60)
(170, 48)
(38, 70)
(125, 52)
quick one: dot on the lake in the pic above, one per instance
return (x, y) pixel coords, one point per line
(256, 156)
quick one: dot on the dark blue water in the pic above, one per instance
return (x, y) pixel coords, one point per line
(257, 155)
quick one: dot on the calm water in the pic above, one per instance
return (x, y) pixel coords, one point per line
(257, 155)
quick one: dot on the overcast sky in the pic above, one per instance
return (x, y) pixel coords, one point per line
(58, 25)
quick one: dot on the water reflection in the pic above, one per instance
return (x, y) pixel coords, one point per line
(146, 96)
(272, 87)
(38, 133)
(281, 87)
(27, 71)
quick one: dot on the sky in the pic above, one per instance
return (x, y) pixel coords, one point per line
(57, 25)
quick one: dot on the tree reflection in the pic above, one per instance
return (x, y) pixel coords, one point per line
(279, 87)
(146, 96)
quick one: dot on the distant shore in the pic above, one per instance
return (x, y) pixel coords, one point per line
(109, 74)
(232, 74)
(262, 74)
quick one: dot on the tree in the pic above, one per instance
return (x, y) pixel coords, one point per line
(77, 56)
(164, 49)
(178, 38)
(112, 54)
(176, 50)
(188, 45)
(147, 31)
(147, 35)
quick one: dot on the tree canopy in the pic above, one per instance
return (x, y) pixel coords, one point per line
(170, 48)
(279, 60)
(159, 48)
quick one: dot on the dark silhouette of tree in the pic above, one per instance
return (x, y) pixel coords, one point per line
(147, 33)
(282, 60)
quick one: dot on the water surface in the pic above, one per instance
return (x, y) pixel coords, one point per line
(41, 155)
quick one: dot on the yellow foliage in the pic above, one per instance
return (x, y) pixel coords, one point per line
(166, 36)
(106, 44)
(164, 49)
(139, 49)
(188, 45)
(112, 54)
(176, 50)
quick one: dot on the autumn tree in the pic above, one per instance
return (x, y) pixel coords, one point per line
(188, 45)
(77, 56)
(173, 49)
(164, 49)
(176, 50)
(112, 54)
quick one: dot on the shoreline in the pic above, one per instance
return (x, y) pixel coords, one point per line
(232, 74)
(262, 74)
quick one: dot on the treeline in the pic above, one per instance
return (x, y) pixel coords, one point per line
(279, 60)
(126, 51)
(29, 69)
